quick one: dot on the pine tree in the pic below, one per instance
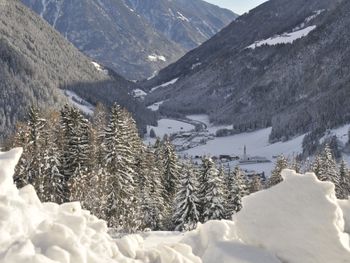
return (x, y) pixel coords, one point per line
(316, 166)
(213, 196)
(150, 191)
(203, 178)
(170, 178)
(186, 216)
(240, 190)
(118, 165)
(255, 184)
(294, 165)
(76, 155)
(29, 169)
(344, 181)
(276, 176)
(53, 179)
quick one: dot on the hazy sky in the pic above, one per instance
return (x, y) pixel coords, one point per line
(237, 6)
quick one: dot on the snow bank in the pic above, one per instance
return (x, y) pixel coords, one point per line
(35, 232)
(298, 221)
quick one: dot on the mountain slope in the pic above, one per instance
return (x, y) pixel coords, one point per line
(295, 87)
(188, 23)
(116, 35)
(36, 61)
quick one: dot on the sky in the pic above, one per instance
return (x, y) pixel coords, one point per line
(237, 6)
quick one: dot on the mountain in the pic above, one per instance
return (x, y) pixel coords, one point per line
(135, 38)
(283, 64)
(36, 63)
(187, 23)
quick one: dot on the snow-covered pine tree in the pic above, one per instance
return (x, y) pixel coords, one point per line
(328, 170)
(203, 178)
(171, 171)
(54, 183)
(149, 190)
(186, 216)
(344, 181)
(255, 184)
(118, 161)
(240, 189)
(30, 166)
(213, 196)
(316, 166)
(76, 156)
(276, 176)
(294, 164)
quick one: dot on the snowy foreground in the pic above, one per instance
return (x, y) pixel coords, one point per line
(297, 221)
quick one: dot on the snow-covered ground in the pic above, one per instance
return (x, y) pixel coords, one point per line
(286, 38)
(256, 143)
(168, 126)
(171, 82)
(155, 106)
(79, 102)
(297, 221)
(139, 93)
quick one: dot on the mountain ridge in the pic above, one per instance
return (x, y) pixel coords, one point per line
(122, 38)
(257, 88)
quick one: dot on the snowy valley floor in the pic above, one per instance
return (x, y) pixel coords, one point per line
(257, 142)
(297, 221)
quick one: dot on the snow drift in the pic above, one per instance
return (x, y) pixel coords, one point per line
(297, 221)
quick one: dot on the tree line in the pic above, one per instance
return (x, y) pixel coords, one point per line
(103, 163)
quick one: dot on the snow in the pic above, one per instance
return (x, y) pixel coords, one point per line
(297, 221)
(99, 68)
(171, 82)
(305, 212)
(341, 133)
(169, 126)
(139, 93)
(155, 106)
(286, 38)
(309, 19)
(37, 232)
(196, 65)
(155, 58)
(203, 118)
(182, 17)
(79, 103)
(257, 144)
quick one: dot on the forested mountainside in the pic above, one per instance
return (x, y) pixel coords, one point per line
(36, 61)
(135, 38)
(284, 64)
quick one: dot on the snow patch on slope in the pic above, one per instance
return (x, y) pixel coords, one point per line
(182, 17)
(155, 58)
(286, 38)
(155, 106)
(139, 93)
(79, 102)
(171, 82)
(99, 68)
